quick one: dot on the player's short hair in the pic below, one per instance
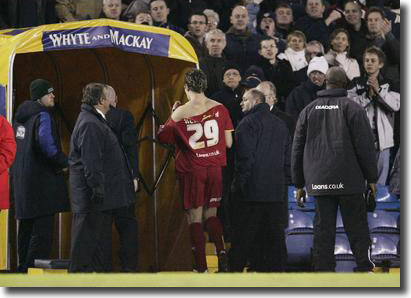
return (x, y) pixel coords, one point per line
(196, 80)
(93, 93)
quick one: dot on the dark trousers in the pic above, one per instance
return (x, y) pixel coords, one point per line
(259, 236)
(91, 242)
(35, 238)
(127, 227)
(354, 216)
(224, 212)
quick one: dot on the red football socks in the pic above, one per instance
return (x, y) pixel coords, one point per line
(198, 246)
(215, 232)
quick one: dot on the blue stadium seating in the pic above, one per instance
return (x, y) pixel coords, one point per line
(381, 221)
(344, 258)
(309, 204)
(339, 223)
(384, 250)
(385, 200)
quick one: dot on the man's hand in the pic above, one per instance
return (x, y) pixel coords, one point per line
(300, 197)
(386, 27)
(334, 15)
(96, 197)
(370, 197)
(373, 83)
(135, 181)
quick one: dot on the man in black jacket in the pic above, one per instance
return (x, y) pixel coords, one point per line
(122, 123)
(333, 156)
(39, 186)
(100, 181)
(261, 176)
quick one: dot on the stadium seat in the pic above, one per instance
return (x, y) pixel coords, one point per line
(299, 239)
(309, 204)
(381, 221)
(384, 250)
(339, 223)
(385, 200)
(299, 222)
(344, 258)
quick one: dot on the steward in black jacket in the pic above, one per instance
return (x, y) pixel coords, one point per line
(333, 148)
(98, 166)
(333, 155)
(262, 174)
(100, 181)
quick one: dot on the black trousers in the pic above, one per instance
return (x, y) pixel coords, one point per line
(91, 242)
(127, 227)
(35, 238)
(258, 235)
(225, 212)
(354, 216)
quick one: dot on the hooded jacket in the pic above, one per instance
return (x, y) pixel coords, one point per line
(39, 184)
(333, 147)
(98, 166)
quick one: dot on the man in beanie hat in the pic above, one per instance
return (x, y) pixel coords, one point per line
(306, 92)
(39, 185)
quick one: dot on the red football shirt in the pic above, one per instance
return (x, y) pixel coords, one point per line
(200, 139)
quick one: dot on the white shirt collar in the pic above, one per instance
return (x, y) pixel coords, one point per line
(101, 113)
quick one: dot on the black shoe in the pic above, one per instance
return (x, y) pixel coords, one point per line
(222, 262)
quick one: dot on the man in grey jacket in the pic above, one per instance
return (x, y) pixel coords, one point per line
(333, 157)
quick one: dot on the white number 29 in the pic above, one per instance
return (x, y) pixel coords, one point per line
(210, 131)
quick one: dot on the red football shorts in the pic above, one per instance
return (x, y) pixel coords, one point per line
(201, 187)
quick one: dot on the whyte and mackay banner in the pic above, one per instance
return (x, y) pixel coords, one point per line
(106, 36)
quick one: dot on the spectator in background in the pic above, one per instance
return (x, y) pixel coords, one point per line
(270, 92)
(242, 45)
(100, 182)
(28, 13)
(7, 155)
(284, 19)
(78, 10)
(332, 147)
(266, 28)
(111, 9)
(38, 182)
(356, 27)
(134, 8)
(380, 35)
(159, 12)
(381, 100)
(197, 25)
(143, 18)
(122, 123)
(230, 96)
(214, 62)
(181, 10)
(306, 92)
(314, 25)
(295, 52)
(339, 53)
(213, 19)
(262, 157)
(277, 71)
(313, 49)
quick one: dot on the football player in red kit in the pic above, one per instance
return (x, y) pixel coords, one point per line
(202, 130)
